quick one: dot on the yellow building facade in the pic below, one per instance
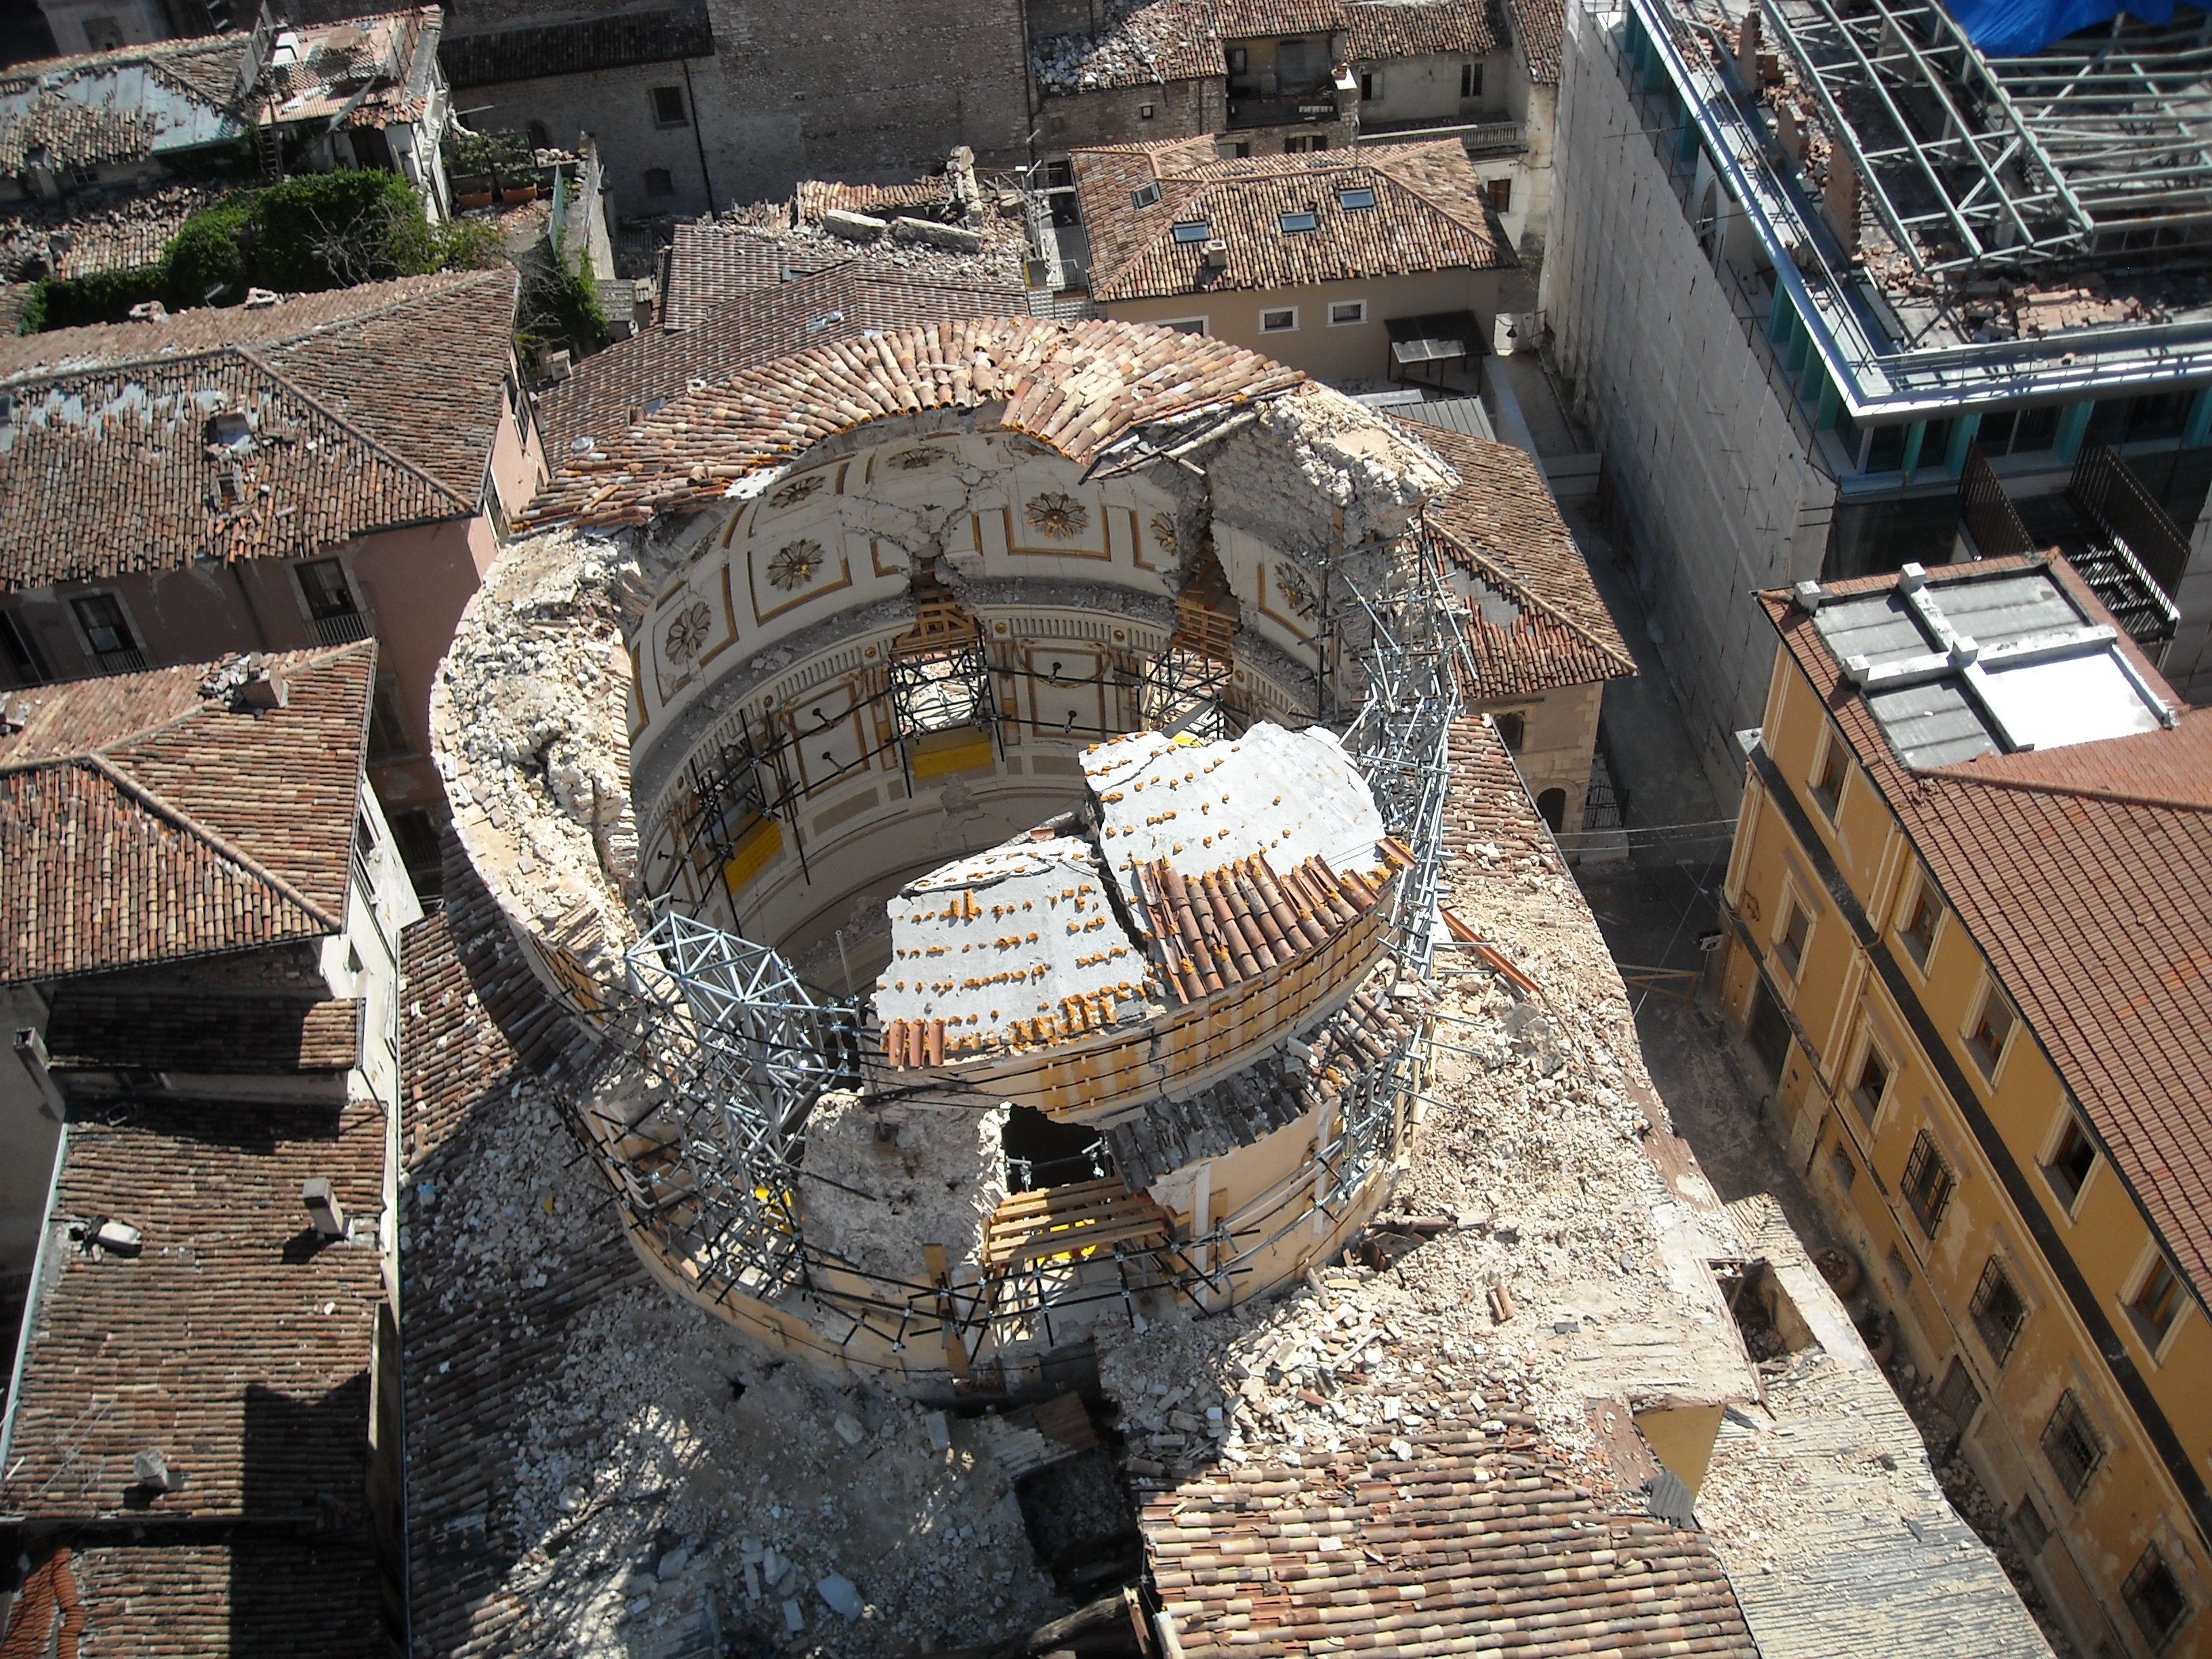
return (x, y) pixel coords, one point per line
(1956, 970)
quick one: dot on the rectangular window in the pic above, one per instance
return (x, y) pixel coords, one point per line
(107, 634)
(1840, 1165)
(1986, 1037)
(1343, 312)
(1512, 729)
(1145, 196)
(2071, 1445)
(1958, 1396)
(2029, 1526)
(1279, 322)
(1899, 1273)
(1371, 85)
(1929, 1183)
(1355, 200)
(1144, 112)
(1917, 931)
(1500, 191)
(1306, 144)
(337, 620)
(2156, 1303)
(1239, 57)
(387, 725)
(2037, 428)
(1196, 230)
(1470, 80)
(2155, 1599)
(1998, 1311)
(1304, 220)
(659, 183)
(1796, 931)
(2071, 1160)
(1828, 782)
(1885, 447)
(668, 107)
(25, 661)
(1872, 1083)
(1187, 325)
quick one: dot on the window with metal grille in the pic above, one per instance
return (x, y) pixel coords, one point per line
(2029, 1526)
(1998, 1311)
(2071, 1445)
(1873, 1082)
(2156, 1303)
(1796, 931)
(2071, 1160)
(1993, 1023)
(337, 619)
(1927, 1182)
(1918, 930)
(108, 633)
(668, 107)
(1958, 1396)
(1284, 320)
(25, 661)
(2155, 1598)
(1840, 1165)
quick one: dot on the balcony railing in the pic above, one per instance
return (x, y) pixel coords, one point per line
(342, 628)
(1480, 137)
(129, 661)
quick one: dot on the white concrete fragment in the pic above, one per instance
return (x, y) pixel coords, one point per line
(931, 234)
(843, 1596)
(854, 226)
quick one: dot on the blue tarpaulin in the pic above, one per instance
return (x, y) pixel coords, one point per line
(2016, 28)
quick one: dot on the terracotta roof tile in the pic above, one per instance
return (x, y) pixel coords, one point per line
(366, 409)
(140, 822)
(2084, 876)
(1502, 525)
(1235, 20)
(710, 263)
(90, 232)
(1424, 28)
(228, 1344)
(1113, 376)
(1429, 214)
(258, 1591)
(1540, 31)
(97, 1024)
(754, 327)
(1142, 44)
(1457, 1538)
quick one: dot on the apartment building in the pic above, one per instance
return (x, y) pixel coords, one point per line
(1369, 264)
(1967, 911)
(310, 471)
(1792, 323)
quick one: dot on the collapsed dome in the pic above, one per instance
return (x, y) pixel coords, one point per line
(911, 762)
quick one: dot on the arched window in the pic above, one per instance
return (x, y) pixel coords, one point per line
(1553, 804)
(1514, 728)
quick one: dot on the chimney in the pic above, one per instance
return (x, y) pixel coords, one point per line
(266, 688)
(324, 1213)
(150, 1468)
(1217, 255)
(31, 1049)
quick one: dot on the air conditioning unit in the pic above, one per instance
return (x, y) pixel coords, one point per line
(1217, 255)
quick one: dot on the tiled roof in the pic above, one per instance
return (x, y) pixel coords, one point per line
(1540, 31)
(97, 107)
(1140, 44)
(479, 1026)
(1462, 1535)
(2092, 902)
(1424, 28)
(585, 46)
(1429, 214)
(141, 822)
(228, 1344)
(369, 408)
(1502, 525)
(1076, 386)
(92, 232)
(95, 1024)
(1239, 19)
(754, 327)
(710, 263)
(261, 1590)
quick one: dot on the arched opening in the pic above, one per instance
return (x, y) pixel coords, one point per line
(1553, 804)
(1512, 729)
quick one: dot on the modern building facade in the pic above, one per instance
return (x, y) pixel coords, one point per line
(1794, 330)
(1967, 916)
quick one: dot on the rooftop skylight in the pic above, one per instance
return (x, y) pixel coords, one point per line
(1361, 198)
(1194, 231)
(1303, 219)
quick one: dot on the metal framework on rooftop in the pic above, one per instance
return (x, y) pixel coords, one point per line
(2100, 146)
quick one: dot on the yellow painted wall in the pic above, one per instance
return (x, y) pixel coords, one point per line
(1841, 1002)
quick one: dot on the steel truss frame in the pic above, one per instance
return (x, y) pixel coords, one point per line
(1972, 162)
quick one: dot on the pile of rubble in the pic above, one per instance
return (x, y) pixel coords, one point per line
(1138, 42)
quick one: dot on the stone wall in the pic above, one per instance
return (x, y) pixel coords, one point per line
(1714, 493)
(1115, 115)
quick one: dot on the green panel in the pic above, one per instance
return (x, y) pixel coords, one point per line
(1962, 439)
(2073, 422)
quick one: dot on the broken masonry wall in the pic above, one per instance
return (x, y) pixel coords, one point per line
(880, 1182)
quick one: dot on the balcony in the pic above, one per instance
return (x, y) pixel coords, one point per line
(127, 660)
(1481, 138)
(1288, 110)
(341, 628)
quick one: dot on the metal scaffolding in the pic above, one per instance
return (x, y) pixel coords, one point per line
(1973, 162)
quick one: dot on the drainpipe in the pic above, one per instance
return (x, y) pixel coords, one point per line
(698, 138)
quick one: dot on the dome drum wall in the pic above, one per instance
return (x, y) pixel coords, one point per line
(875, 659)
